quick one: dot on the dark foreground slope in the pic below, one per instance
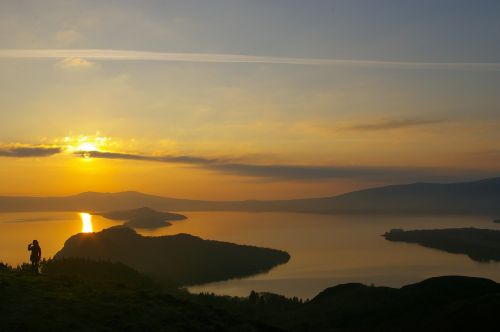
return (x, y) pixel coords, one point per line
(180, 259)
(111, 298)
(477, 197)
(482, 245)
(81, 295)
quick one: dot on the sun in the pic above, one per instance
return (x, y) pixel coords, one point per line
(87, 147)
(86, 222)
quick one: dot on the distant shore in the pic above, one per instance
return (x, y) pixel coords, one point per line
(481, 245)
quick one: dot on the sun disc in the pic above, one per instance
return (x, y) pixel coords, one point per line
(87, 147)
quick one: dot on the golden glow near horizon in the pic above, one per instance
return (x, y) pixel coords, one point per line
(86, 222)
(84, 143)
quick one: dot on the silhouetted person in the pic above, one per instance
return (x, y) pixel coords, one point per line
(36, 255)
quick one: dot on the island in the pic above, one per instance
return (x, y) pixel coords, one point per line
(481, 245)
(496, 221)
(180, 259)
(146, 222)
(144, 217)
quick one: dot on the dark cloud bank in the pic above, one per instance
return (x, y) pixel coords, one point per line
(269, 172)
(395, 124)
(295, 172)
(27, 152)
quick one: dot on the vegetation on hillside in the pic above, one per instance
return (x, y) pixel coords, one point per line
(180, 259)
(82, 295)
(481, 245)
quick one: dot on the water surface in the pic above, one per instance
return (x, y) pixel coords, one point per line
(326, 250)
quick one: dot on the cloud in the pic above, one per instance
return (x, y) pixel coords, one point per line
(75, 63)
(277, 172)
(304, 172)
(68, 36)
(134, 55)
(164, 159)
(368, 126)
(29, 151)
(491, 154)
(394, 124)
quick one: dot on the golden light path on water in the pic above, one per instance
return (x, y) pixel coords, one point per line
(86, 222)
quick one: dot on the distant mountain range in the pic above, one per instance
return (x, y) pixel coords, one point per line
(477, 197)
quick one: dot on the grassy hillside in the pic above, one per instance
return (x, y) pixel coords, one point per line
(79, 295)
(451, 303)
(82, 295)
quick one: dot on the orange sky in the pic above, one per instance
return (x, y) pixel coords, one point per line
(240, 101)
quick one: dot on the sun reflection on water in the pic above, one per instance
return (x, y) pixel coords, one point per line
(86, 222)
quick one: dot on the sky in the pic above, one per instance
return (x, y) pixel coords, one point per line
(246, 99)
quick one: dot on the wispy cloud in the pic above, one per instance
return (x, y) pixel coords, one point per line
(134, 55)
(164, 159)
(268, 172)
(394, 124)
(75, 63)
(490, 154)
(366, 126)
(307, 173)
(67, 37)
(29, 151)
(277, 172)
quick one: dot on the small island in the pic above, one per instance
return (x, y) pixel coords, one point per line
(143, 217)
(180, 259)
(146, 222)
(496, 221)
(481, 245)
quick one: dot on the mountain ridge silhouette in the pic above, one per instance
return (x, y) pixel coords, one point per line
(474, 197)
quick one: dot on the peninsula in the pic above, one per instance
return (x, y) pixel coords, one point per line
(481, 245)
(180, 259)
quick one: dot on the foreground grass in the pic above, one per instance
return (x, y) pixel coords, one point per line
(121, 301)
(82, 295)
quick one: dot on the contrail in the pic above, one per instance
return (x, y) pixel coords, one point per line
(132, 55)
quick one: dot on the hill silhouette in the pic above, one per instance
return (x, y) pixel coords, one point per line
(476, 197)
(482, 245)
(143, 217)
(450, 303)
(180, 259)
